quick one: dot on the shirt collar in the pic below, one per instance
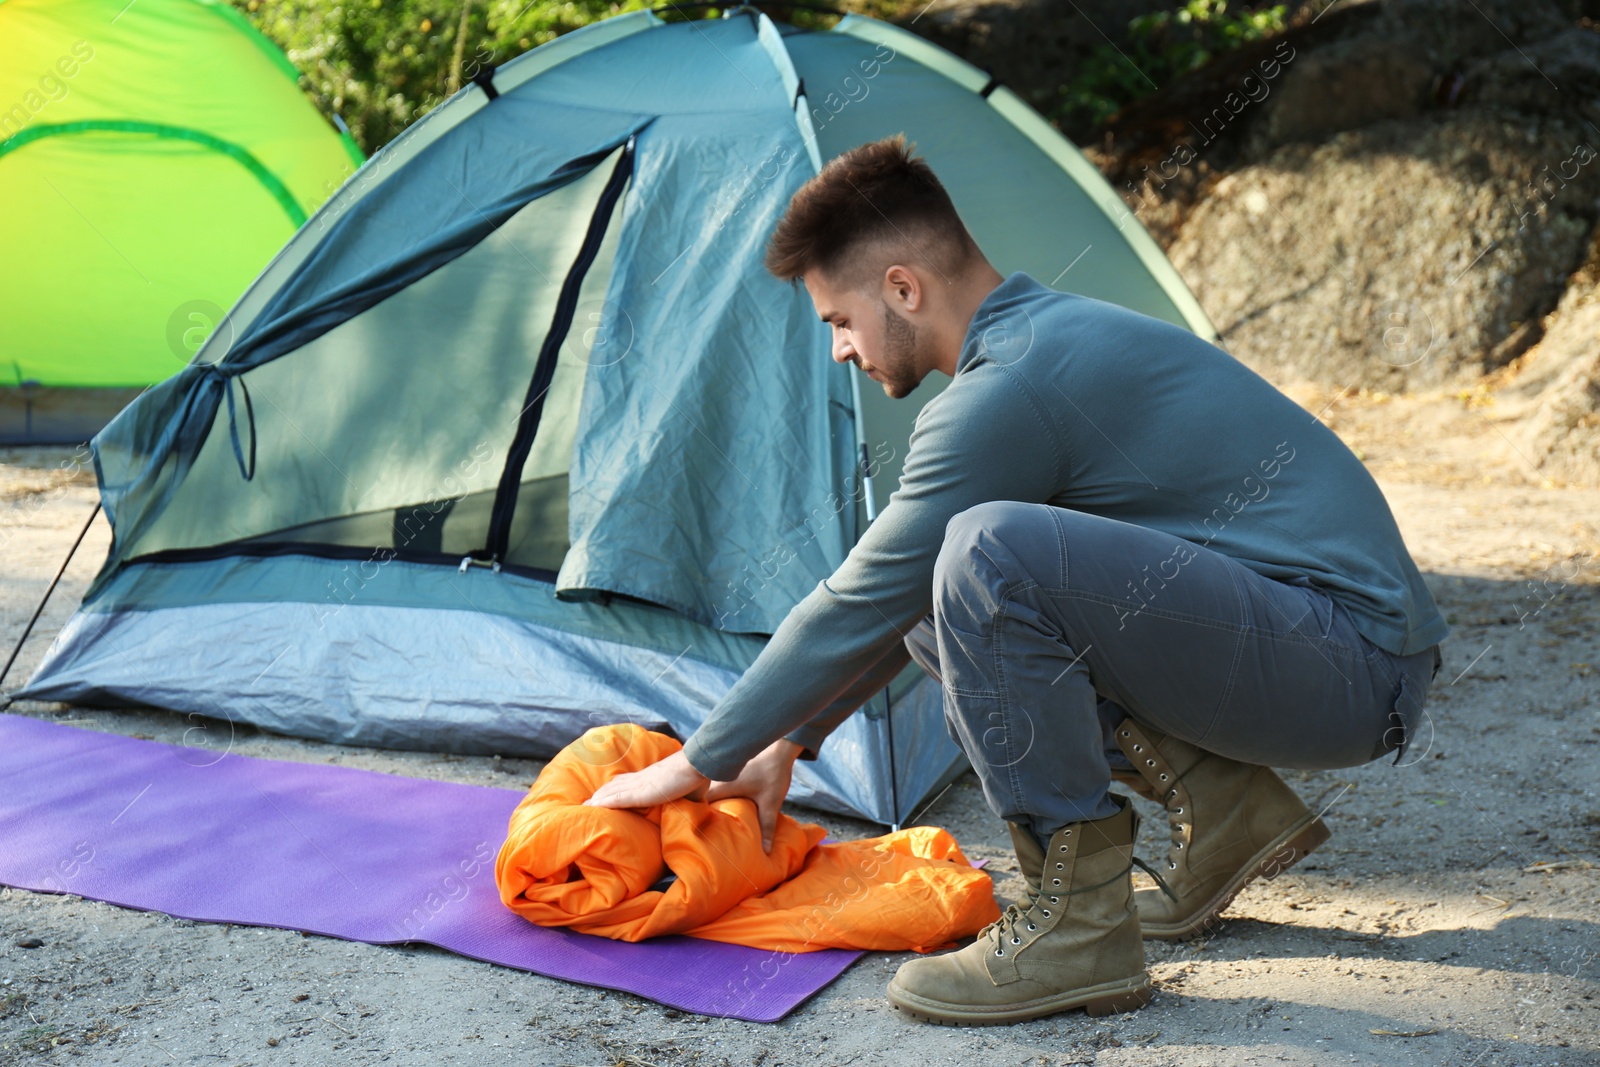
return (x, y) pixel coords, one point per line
(1000, 329)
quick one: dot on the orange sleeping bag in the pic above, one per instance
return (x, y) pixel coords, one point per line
(596, 870)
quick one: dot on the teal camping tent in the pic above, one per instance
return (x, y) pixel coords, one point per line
(517, 436)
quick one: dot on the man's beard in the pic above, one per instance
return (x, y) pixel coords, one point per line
(899, 363)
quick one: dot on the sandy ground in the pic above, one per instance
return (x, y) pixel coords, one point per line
(1453, 919)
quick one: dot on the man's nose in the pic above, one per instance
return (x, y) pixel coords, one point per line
(843, 351)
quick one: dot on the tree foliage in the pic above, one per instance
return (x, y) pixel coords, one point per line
(379, 65)
(382, 64)
(1161, 47)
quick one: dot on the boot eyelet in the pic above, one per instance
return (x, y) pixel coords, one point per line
(1046, 914)
(1016, 940)
(1163, 777)
(999, 952)
(1179, 845)
(1061, 866)
(1032, 927)
(1063, 848)
(1136, 748)
(1178, 810)
(1055, 881)
(1054, 900)
(1149, 763)
(1171, 866)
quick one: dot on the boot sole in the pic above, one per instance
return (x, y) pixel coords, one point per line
(1292, 846)
(1105, 999)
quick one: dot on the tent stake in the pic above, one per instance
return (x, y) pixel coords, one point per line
(894, 786)
(40, 609)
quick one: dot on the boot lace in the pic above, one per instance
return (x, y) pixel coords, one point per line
(1175, 826)
(1019, 917)
(1160, 881)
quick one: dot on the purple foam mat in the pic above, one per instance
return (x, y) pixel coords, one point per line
(360, 855)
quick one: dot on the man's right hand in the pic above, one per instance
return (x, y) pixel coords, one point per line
(765, 780)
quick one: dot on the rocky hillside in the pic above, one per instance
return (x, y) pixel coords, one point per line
(1396, 195)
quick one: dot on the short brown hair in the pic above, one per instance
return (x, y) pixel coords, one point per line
(868, 208)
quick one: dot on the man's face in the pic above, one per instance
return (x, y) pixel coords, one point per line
(870, 333)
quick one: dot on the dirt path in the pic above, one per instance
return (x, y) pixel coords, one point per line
(1453, 919)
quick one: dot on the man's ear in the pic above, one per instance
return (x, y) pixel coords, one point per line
(903, 288)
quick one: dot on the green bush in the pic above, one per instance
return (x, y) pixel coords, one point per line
(1162, 46)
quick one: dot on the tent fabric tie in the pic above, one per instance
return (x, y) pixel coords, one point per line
(233, 425)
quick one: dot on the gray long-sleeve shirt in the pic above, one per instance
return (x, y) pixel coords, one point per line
(1065, 400)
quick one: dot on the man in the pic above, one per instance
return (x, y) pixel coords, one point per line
(1123, 553)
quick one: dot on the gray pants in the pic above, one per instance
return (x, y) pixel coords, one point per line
(1051, 625)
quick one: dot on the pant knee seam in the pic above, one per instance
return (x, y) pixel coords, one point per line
(1013, 779)
(1244, 629)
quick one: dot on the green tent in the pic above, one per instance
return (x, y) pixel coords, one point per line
(153, 157)
(517, 436)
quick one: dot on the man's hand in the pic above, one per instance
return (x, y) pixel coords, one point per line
(658, 783)
(765, 780)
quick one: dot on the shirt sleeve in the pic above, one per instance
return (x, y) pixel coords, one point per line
(812, 734)
(986, 437)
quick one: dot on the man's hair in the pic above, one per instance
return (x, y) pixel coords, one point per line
(868, 208)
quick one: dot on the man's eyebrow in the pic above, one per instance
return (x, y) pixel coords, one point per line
(827, 315)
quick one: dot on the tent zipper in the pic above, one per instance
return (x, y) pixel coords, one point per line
(505, 497)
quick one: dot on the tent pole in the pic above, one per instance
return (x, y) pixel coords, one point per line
(40, 609)
(872, 513)
(732, 6)
(861, 447)
(894, 789)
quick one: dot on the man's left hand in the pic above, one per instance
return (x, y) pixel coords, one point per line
(664, 780)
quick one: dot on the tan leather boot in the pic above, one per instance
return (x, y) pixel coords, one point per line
(1231, 822)
(1073, 942)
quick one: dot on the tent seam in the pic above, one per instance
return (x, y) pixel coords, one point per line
(238, 153)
